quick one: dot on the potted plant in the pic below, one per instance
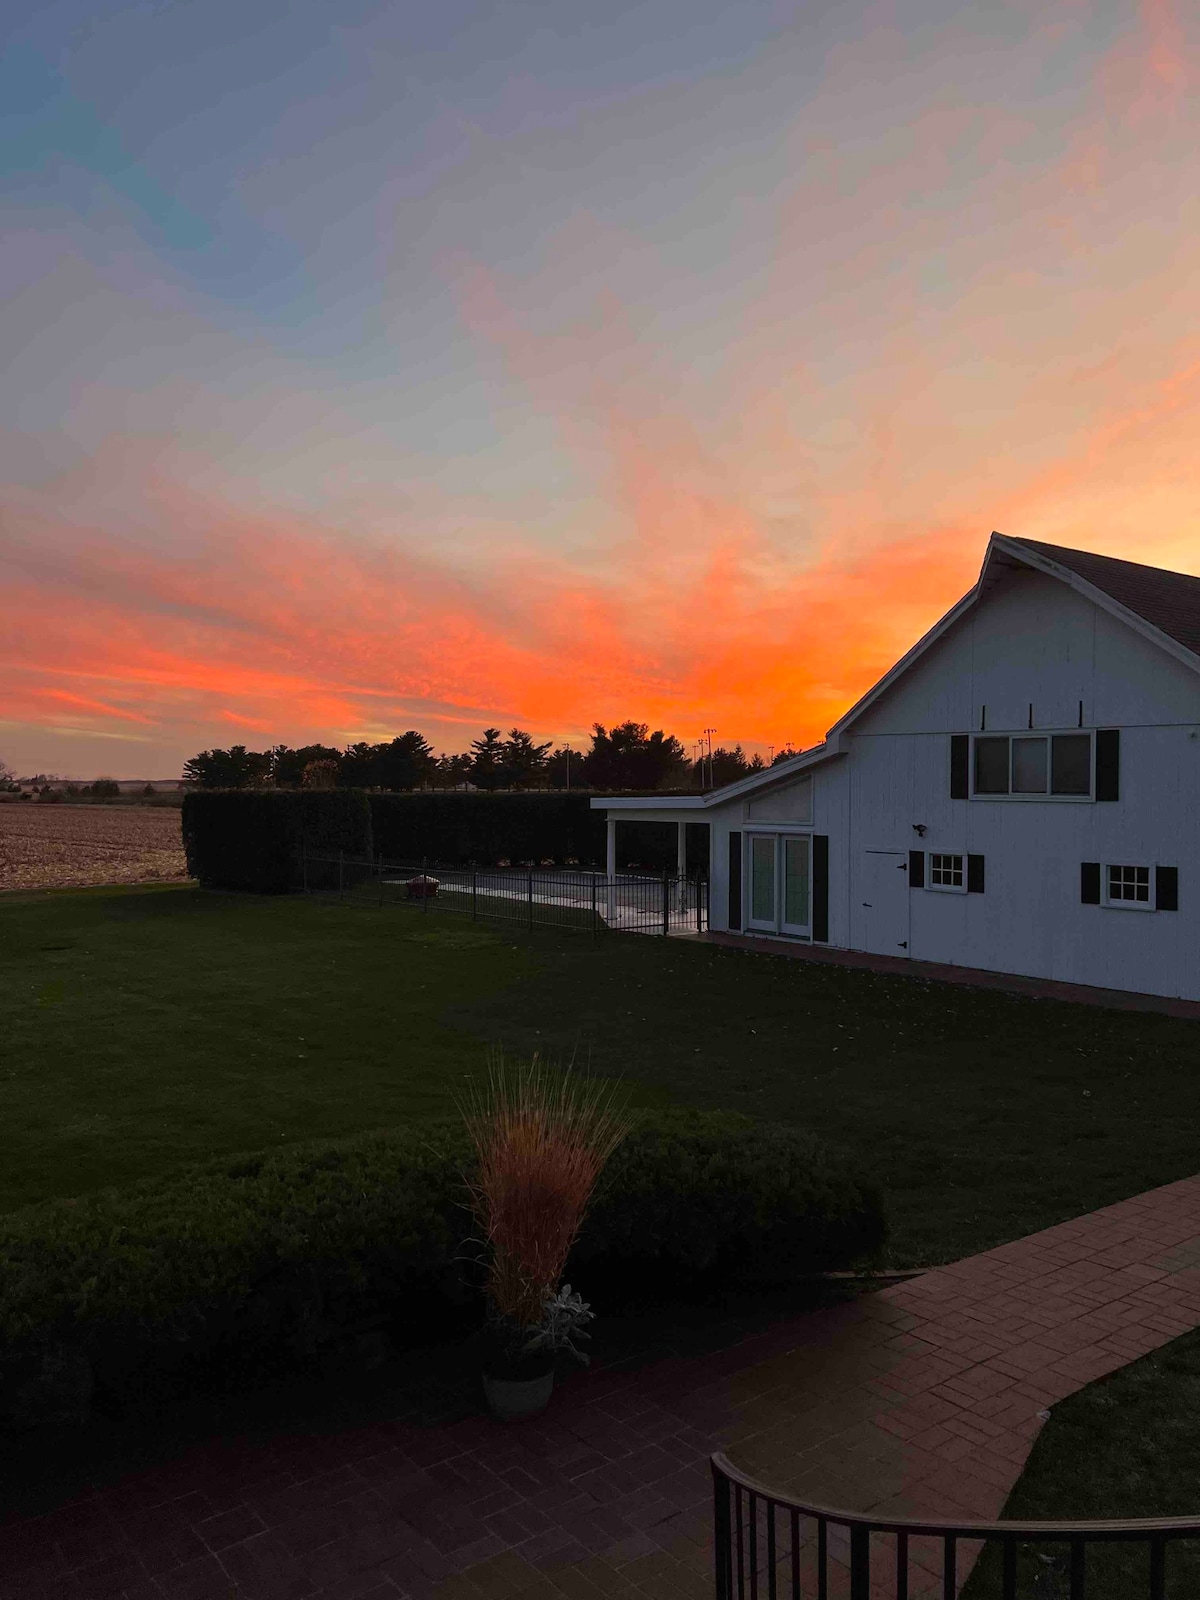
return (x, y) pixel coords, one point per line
(541, 1137)
(519, 1364)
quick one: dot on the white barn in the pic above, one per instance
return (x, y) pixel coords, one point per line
(1020, 793)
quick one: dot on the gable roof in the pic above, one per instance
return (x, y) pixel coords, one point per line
(1162, 606)
(1168, 601)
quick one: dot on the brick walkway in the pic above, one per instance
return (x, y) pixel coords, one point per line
(922, 1398)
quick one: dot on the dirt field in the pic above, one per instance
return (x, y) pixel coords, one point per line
(61, 846)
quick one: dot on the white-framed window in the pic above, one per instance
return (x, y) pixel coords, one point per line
(1056, 766)
(946, 871)
(1128, 886)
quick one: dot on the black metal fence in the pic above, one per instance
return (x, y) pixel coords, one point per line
(770, 1547)
(531, 897)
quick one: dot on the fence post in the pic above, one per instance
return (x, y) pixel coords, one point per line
(381, 880)
(424, 889)
(529, 872)
(341, 874)
(595, 929)
(474, 894)
(722, 1543)
(860, 1563)
(699, 924)
(304, 864)
(666, 905)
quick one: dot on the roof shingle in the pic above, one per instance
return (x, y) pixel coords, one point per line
(1169, 601)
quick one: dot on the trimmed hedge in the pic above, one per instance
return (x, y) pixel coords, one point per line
(455, 829)
(254, 838)
(221, 1274)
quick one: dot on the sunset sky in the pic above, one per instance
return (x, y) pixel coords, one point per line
(368, 367)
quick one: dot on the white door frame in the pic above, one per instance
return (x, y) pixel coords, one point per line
(778, 839)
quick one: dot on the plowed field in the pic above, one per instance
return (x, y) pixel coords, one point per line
(60, 846)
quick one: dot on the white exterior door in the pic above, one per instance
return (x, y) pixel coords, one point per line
(883, 913)
(778, 888)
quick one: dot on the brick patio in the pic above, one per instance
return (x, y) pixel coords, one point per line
(922, 1398)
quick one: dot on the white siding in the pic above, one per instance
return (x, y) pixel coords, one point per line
(1031, 641)
(1034, 641)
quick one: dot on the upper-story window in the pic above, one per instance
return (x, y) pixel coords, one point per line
(1052, 766)
(1033, 764)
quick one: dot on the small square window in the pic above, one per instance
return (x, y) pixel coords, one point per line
(945, 872)
(1129, 885)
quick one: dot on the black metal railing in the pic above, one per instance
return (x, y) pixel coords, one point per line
(529, 896)
(770, 1547)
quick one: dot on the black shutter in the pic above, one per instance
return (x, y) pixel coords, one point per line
(1108, 763)
(820, 887)
(1166, 888)
(960, 765)
(916, 869)
(1089, 883)
(974, 874)
(735, 880)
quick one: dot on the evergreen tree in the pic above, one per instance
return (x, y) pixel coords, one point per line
(522, 762)
(235, 768)
(289, 766)
(725, 766)
(629, 756)
(405, 763)
(452, 771)
(487, 758)
(564, 768)
(359, 767)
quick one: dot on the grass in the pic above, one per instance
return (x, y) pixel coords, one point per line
(145, 1028)
(1127, 1446)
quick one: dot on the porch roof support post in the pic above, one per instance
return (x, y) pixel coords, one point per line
(681, 849)
(611, 870)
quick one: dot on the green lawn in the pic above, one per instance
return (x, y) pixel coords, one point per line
(144, 1028)
(1128, 1446)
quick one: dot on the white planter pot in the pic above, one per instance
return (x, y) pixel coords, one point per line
(511, 1400)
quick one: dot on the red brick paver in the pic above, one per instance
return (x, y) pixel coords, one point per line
(921, 1399)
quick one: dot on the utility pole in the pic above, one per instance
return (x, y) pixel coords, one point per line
(708, 733)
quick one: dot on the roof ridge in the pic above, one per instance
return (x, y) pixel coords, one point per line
(1096, 555)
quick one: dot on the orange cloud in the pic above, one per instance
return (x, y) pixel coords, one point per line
(980, 322)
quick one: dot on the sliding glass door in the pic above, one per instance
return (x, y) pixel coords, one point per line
(778, 886)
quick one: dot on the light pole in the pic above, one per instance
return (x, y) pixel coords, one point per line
(708, 733)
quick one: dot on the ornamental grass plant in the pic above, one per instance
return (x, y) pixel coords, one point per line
(542, 1135)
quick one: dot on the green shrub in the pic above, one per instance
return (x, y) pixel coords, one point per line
(692, 1200)
(455, 829)
(254, 838)
(221, 1274)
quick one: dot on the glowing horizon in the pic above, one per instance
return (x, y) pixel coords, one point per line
(457, 371)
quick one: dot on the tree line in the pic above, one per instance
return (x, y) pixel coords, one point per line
(626, 756)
